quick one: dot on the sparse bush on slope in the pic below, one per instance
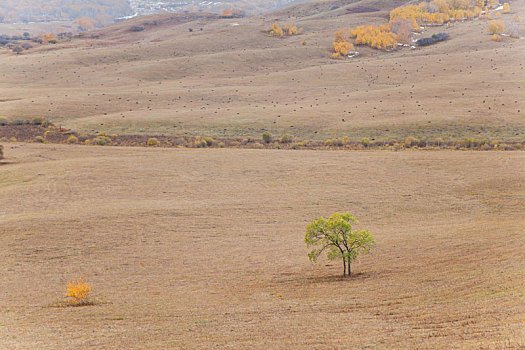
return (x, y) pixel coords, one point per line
(79, 292)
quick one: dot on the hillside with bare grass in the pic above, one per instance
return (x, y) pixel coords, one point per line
(203, 75)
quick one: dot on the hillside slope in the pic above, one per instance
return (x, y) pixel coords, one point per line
(198, 74)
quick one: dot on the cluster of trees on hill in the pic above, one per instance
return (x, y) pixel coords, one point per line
(342, 44)
(286, 30)
(233, 13)
(88, 12)
(376, 37)
(19, 43)
(442, 11)
(405, 20)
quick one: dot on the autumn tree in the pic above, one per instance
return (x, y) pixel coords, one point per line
(496, 27)
(286, 30)
(48, 38)
(403, 30)
(85, 23)
(492, 3)
(276, 30)
(376, 37)
(227, 13)
(231, 13)
(338, 237)
(291, 30)
(342, 45)
(506, 7)
(342, 49)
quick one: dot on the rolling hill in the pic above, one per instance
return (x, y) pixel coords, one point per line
(199, 74)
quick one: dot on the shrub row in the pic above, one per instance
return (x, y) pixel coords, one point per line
(35, 121)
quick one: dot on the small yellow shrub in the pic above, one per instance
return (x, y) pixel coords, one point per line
(201, 144)
(209, 141)
(153, 141)
(287, 138)
(79, 290)
(72, 139)
(101, 140)
(411, 141)
(39, 139)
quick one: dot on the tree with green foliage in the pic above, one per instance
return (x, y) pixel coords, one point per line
(337, 236)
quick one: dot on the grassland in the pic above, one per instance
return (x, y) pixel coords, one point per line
(226, 78)
(192, 248)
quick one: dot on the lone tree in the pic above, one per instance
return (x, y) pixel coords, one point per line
(335, 234)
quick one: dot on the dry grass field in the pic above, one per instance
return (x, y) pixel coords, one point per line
(226, 78)
(204, 248)
(201, 249)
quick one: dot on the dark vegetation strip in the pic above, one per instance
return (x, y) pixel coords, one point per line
(41, 131)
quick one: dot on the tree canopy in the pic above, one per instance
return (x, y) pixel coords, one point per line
(338, 237)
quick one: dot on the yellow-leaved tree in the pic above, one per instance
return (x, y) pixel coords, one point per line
(496, 27)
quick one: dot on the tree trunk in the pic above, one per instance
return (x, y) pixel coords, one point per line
(349, 271)
(344, 268)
